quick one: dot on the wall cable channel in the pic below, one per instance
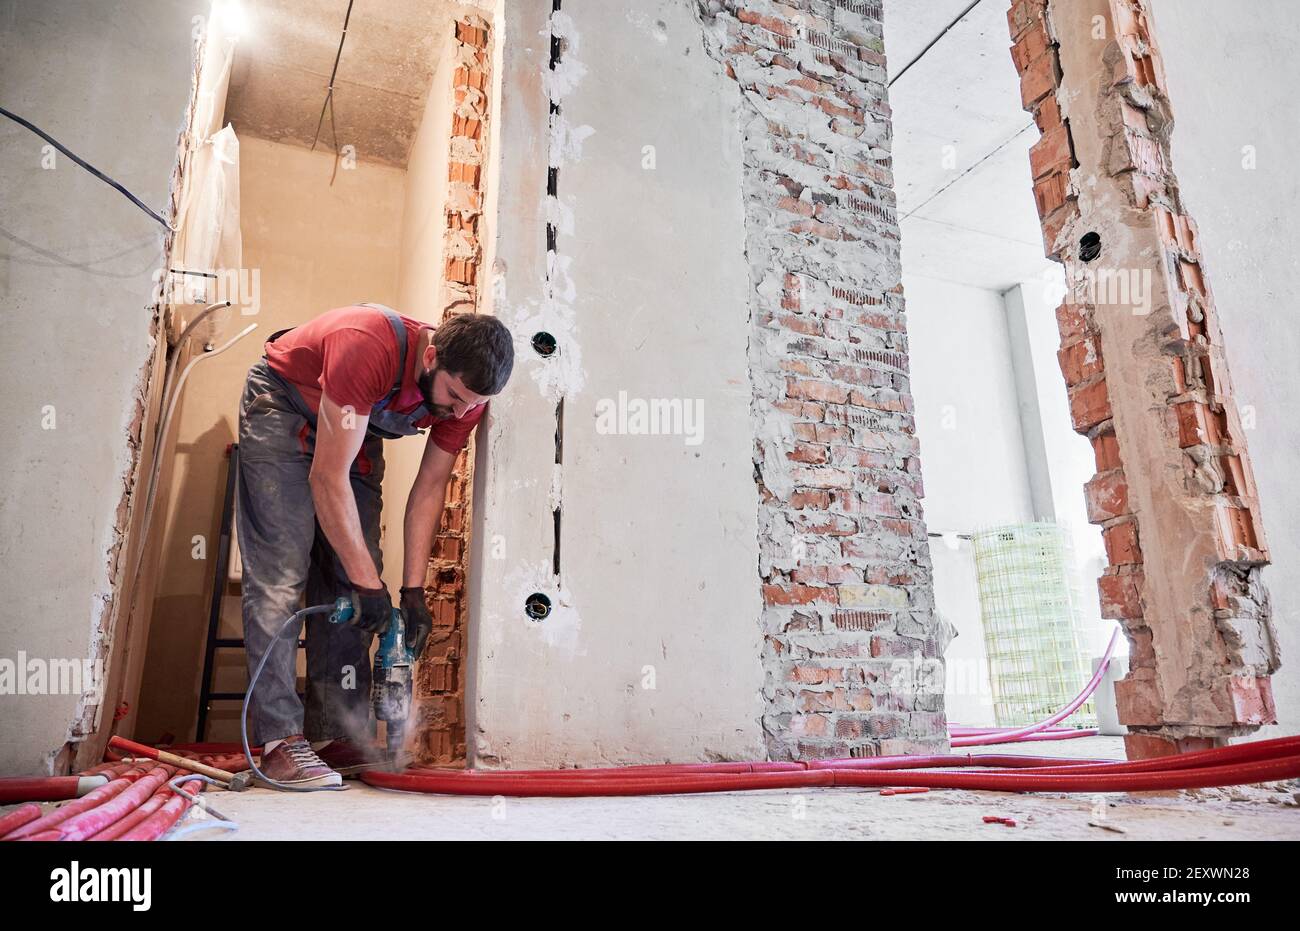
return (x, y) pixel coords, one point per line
(553, 191)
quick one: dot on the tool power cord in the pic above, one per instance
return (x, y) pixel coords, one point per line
(296, 618)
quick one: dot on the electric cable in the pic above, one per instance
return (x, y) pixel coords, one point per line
(86, 165)
(297, 616)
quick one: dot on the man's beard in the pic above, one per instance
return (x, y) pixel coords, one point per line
(425, 382)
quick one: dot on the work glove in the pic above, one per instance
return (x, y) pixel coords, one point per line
(372, 609)
(418, 621)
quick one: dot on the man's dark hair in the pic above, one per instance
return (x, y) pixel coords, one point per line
(476, 348)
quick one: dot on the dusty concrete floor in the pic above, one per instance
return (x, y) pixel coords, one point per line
(362, 812)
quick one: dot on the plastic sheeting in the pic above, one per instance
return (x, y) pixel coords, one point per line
(208, 239)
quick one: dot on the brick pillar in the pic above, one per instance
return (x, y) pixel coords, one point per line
(850, 649)
(439, 700)
(1142, 356)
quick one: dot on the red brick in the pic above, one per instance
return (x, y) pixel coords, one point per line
(1141, 647)
(792, 205)
(1031, 43)
(1053, 223)
(806, 452)
(1121, 596)
(461, 171)
(447, 547)
(1023, 14)
(770, 23)
(466, 127)
(1080, 361)
(798, 323)
(1234, 529)
(1138, 701)
(797, 595)
(1122, 544)
(848, 728)
(461, 270)
(813, 500)
(817, 228)
(1106, 449)
(1089, 405)
(1196, 424)
(829, 575)
(1252, 699)
(1139, 746)
(808, 725)
(1048, 114)
(1072, 321)
(1051, 192)
(1051, 153)
(816, 390)
(470, 77)
(1107, 496)
(471, 35)
(1038, 80)
(815, 675)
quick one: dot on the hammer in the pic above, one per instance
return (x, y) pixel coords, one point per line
(232, 782)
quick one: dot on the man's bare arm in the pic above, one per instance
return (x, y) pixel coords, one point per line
(424, 512)
(339, 435)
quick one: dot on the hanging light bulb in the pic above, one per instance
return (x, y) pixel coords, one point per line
(231, 17)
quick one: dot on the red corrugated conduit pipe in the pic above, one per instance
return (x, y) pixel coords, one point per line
(135, 802)
(1262, 761)
(1255, 762)
(145, 812)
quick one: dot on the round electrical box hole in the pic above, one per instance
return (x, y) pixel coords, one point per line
(537, 606)
(544, 343)
(1089, 247)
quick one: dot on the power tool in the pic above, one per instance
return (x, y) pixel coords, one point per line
(390, 679)
(390, 687)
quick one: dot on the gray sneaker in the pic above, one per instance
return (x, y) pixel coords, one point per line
(295, 763)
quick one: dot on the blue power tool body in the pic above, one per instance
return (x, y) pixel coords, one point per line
(391, 674)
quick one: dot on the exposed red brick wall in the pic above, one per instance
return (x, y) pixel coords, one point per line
(1189, 405)
(439, 705)
(850, 645)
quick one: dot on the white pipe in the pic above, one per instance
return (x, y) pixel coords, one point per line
(198, 318)
(171, 370)
(163, 428)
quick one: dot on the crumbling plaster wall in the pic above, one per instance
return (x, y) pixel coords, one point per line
(1148, 381)
(1235, 135)
(652, 651)
(852, 646)
(77, 268)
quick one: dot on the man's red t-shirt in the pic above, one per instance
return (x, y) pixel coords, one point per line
(351, 353)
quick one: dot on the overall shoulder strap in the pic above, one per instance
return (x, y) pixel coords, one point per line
(399, 330)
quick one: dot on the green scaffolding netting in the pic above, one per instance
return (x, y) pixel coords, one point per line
(1029, 607)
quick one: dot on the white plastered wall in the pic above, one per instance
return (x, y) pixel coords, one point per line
(652, 651)
(77, 264)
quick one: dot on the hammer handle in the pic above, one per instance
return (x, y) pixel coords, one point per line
(162, 756)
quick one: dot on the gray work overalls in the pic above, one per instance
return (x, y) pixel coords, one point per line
(286, 555)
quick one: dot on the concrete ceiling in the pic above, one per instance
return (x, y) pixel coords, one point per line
(283, 62)
(961, 145)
